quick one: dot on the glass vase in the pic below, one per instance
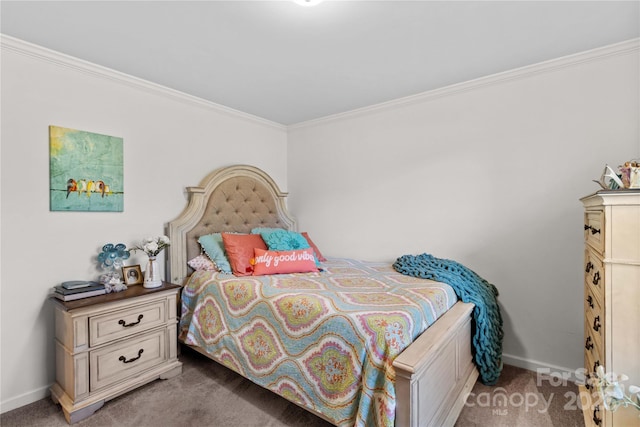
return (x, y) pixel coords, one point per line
(152, 277)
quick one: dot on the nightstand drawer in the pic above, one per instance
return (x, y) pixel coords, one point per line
(112, 326)
(126, 359)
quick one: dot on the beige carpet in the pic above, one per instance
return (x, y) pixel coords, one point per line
(207, 394)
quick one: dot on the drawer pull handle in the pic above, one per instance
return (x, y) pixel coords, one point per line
(597, 421)
(590, 301)
(589, 267)
(126, 325)
(596, 324)
(593, 230)
(124, 359)
(596, 278)
(588, 382)
(588, 344)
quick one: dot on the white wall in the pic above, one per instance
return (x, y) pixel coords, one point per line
(488, 173)
(170, 141)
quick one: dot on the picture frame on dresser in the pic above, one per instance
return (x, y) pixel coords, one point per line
(132, 275)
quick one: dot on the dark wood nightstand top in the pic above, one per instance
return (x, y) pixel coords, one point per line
(132, 291)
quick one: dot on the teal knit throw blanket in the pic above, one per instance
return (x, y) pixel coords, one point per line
(487, 339)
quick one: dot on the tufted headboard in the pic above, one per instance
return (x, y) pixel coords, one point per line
(231, 199)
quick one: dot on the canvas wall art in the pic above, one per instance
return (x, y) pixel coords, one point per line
(86, 171)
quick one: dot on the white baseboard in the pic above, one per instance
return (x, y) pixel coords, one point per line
(24, 399)
(558, 372)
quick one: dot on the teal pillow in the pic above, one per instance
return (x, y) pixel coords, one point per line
(283, 240)
(260, 230)
(214, 248)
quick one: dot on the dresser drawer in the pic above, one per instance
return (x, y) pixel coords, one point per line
(595, 411)
(592, 363)
(592, 344)
(594, 275)
(126, 359)
(591, 303)
(594, 328)
(594, 229)
(593, 310)
(591, 403)
(121, 324)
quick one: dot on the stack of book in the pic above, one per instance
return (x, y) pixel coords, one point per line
(78, 289)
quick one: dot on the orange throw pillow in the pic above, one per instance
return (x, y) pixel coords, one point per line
(239, 249)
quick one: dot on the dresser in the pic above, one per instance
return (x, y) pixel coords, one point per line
(110, 344)
(612, 297)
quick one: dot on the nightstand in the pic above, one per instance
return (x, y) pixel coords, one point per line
(110, 344)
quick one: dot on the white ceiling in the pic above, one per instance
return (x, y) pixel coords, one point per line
(289, 64)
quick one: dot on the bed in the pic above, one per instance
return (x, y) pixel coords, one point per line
(332, 360)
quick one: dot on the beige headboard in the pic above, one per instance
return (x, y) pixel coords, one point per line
(231, 199)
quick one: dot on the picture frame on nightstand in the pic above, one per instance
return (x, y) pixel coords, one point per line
(132, 275)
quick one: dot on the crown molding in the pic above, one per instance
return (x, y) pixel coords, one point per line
(618, 49)
(47, 55)
(62, 60)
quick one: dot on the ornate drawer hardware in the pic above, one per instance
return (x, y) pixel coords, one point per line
(593, 229)
(124, 359)
(589, 267)
(596, 325)
(590, 301)
(596, 278)
(588, 344)
(597, 420)
(126, 325)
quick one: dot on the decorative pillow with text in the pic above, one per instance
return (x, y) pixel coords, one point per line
(281, 262)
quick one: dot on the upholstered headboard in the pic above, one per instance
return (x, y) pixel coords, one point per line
(231, 199)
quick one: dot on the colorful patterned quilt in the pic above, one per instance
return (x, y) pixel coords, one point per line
(325, 341)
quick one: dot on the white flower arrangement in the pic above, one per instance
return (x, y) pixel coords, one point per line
(152, 246)
(612, 393)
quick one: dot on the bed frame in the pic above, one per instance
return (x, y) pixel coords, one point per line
(434, 375)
